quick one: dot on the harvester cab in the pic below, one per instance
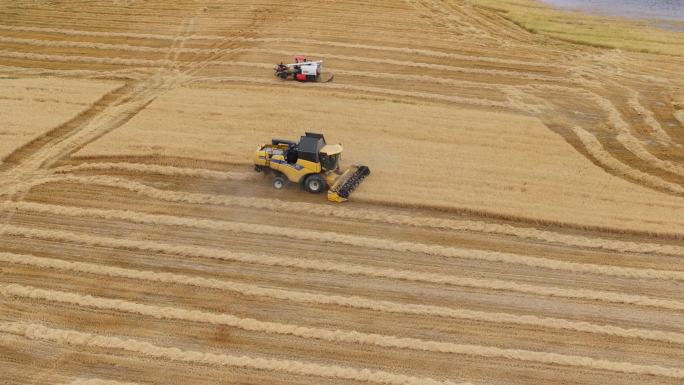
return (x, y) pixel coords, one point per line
(312, 163)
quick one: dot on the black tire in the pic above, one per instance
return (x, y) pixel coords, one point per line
(279, 183)
(314, 184)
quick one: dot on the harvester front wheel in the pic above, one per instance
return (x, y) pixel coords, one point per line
(278, 183)
(314, 184)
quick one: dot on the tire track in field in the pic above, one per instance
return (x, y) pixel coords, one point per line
(480, 102)
(454, 24)
(30, 162)
(146, 349)
(633, 144)
(506, 31)
(649, 118)
(484, 24)
(139, 94)
(596, 150)
(384, 75)
(415, 64)
(103, 116)
(258, 17)
(83, 59)
(160, 170)
(334, 336)
(346, 239)
(349, 269)
(98, 120)
(166, 62)
(509, 91)
(355, 302)
(624, 137)
(24, 152)
(347, 212)
(105, 46)
(98, 381)
(34, 160)
(512, 94)
(389, 91)
(217, 53)
(120, 74)
(370, 89)
(75, 32)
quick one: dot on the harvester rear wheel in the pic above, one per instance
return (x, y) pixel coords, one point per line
(278, 182)
(314, 184)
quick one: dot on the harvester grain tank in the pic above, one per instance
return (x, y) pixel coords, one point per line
(312, 163)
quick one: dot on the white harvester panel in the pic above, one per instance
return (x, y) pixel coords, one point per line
(310, 69)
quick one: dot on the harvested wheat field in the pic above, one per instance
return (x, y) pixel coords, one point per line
(523, 222)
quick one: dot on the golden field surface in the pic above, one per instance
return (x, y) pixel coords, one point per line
(418, 155)
(54, 99)
(523, 222)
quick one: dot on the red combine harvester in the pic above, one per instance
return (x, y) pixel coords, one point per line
(302, 70)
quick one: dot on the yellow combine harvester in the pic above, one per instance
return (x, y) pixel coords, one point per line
(312, 163)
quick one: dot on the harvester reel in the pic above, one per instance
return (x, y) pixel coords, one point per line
(353, 181)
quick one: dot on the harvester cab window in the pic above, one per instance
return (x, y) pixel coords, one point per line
(291, 155)
(329, 162)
